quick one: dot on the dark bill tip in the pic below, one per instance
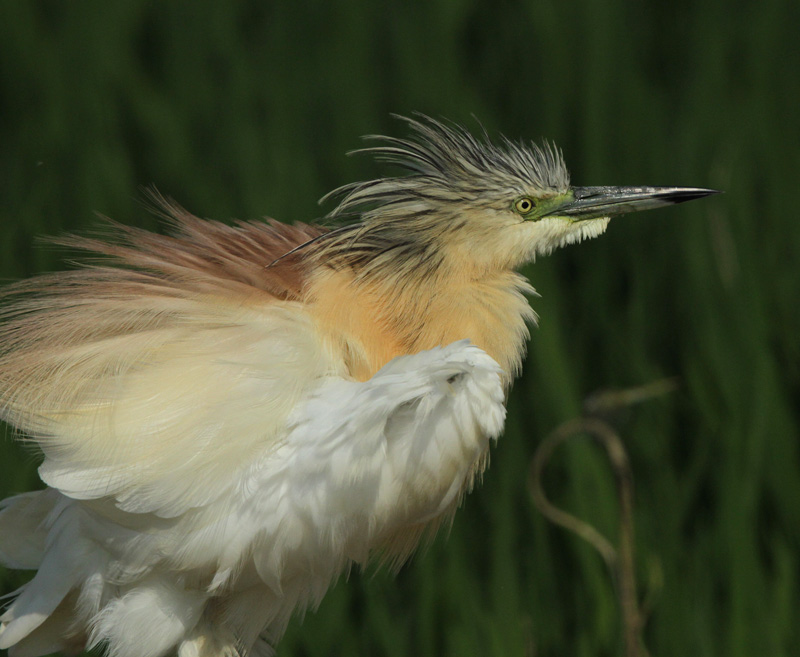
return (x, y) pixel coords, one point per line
(683, 194)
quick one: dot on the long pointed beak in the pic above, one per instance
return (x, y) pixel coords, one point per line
(594, 202)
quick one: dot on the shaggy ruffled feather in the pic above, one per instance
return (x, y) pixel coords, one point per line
(231, 417)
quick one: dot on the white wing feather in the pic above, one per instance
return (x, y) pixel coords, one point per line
(352, 466)
(163, 420)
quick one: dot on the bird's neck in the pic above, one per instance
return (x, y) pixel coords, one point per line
(365, 322)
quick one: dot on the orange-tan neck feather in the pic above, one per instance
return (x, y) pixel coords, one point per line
(366, 323)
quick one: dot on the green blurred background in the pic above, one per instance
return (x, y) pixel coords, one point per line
(244, 109)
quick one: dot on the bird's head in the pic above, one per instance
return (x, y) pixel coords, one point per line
(465, 199)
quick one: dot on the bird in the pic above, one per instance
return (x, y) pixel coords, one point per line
(232, 416)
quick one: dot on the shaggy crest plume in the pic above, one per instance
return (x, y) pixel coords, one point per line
(448, 164)
(401, 222)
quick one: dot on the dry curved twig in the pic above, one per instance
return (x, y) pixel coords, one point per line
(620, 560)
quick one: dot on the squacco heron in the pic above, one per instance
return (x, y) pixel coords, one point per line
(232, 416)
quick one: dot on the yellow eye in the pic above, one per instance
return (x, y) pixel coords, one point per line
(523, 205)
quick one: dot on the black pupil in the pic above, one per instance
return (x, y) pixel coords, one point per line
(525, 205)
